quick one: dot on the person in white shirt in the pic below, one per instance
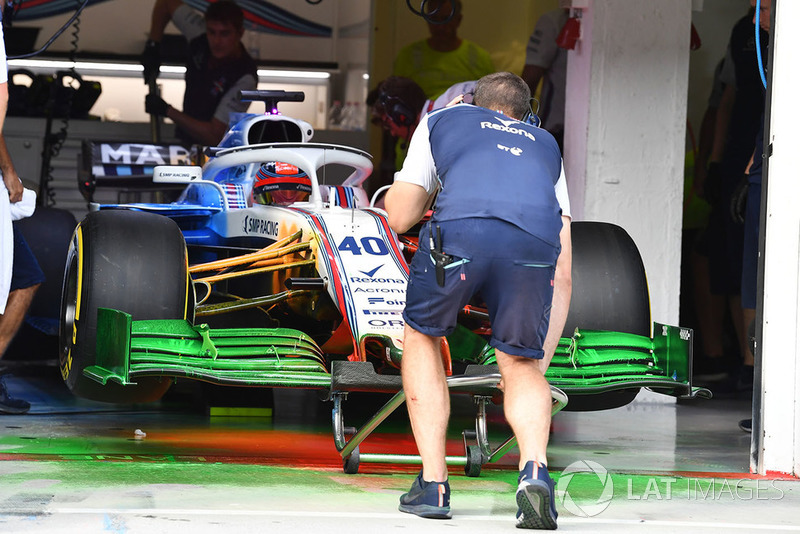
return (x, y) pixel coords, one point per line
(21, 275)
(546, 62)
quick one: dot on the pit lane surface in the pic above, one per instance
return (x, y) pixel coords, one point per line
(78, 466)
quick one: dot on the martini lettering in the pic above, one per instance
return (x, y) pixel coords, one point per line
(141, 154)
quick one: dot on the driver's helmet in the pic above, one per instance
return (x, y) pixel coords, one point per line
(281, 183)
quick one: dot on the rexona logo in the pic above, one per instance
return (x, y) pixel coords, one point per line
(505, 126)
(371, 280)
(373, 271)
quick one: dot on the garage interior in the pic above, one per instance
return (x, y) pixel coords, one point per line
(210, 458)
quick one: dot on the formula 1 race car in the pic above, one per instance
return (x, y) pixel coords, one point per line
(264, 273)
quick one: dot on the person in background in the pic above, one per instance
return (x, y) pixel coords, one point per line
(444, 58)
(217, 68)
(709, 311)
(752, 223)
(513, 248)
(26, 275)
(738, 117)
(546, 62)
(397, 104)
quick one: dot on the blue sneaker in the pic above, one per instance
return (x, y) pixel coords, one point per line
(10, 405)
(427, 499)
(536, 498)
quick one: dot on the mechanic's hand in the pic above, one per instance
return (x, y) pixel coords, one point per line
(739, 201)
(151, 60)
(155, 105)
(14, 186)
(712, 185)
(457, 100)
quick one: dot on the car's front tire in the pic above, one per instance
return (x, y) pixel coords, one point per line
(126, 260)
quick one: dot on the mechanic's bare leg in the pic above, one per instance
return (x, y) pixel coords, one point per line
(17, 306)
(428, 400)
(527, 403)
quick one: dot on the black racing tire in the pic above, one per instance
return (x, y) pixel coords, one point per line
(126, 260)
(609, 285)
(48, 233)
(609, 292)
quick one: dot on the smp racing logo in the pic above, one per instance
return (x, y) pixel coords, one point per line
(254, 225)
(505, 126)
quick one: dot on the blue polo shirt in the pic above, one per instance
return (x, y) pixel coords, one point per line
(488, 165)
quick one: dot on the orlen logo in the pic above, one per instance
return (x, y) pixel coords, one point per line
(504, 126)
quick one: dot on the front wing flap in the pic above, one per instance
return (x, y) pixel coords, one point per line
(589, 362)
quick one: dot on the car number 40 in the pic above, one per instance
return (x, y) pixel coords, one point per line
(371, 245)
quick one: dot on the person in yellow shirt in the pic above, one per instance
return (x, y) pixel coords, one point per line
(443, 59)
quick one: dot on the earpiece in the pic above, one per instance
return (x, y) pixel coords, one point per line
(532, 117)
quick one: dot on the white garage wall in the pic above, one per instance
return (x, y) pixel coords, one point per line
(625, 131)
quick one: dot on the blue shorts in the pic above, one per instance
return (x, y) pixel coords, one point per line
(750, 257)
(26, 271)
(510, 269)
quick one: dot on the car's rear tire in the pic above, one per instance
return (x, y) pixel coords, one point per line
(126, 260)
(609, 292)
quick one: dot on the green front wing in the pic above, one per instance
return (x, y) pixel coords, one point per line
(589, 362)
(273, 357)
(594, 361)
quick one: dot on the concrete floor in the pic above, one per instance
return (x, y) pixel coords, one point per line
(77, 466)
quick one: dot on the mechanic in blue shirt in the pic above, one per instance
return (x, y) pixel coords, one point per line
(501, 226)
(217, 68)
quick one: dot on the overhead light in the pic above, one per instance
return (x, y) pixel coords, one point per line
(173, 69)
(317, 75)
(54, 64)
(83, 65)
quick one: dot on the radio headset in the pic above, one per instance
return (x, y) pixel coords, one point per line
(398, 111)
(531, 117)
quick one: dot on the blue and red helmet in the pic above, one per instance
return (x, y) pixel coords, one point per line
(281, 183)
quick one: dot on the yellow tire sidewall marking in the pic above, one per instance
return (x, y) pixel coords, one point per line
(65, 371)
